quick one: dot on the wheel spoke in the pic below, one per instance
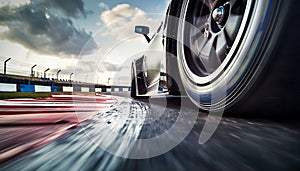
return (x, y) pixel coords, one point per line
(209, 3)
(198, 45)
(196, 29)
(221, 46)
(221, 40)
(196, 37)
(238, 7)
(214, 61)
(232, 2)
(208, 46)
(208, 55)
(232, 26)
(199, 22)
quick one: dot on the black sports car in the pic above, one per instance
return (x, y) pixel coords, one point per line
(241, 55)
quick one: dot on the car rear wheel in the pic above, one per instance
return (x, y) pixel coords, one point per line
(133, 92)
(133, 88)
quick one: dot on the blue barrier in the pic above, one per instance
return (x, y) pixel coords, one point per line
(160, 88)
(53, 88)
(27, 88)
(40, 88)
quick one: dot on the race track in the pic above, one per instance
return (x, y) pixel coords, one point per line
(237, 144)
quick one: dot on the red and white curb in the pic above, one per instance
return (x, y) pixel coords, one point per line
(29, 123)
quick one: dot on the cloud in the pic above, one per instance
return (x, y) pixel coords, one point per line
(121, 20)
(83, 67)
(70, 8)
(80, 68)
(36, 27)
(103, 5)
(14, 2)
(107, 66)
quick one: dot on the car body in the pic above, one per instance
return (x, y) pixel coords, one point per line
(239, 66)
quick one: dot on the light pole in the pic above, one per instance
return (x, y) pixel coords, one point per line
(108, 81)
(58, 73)
(32, 74)
(86, 78)
(5, 65)
(71, 76)
(45, 72)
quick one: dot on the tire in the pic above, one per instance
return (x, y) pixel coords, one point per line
(133, 88)
(133, 92)
(171, 48)
(137, 85)
(238, 39)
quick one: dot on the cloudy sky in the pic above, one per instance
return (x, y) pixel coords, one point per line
(92, 38)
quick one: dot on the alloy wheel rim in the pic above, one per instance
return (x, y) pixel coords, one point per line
(214, 27)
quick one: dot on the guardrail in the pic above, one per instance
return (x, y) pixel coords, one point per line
(6, 87)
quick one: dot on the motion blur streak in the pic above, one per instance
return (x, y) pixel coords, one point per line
(238, 144)
(26, 124)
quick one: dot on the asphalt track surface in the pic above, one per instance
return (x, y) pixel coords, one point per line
(72, 144)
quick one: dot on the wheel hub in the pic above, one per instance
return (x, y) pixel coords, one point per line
(219, 14)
